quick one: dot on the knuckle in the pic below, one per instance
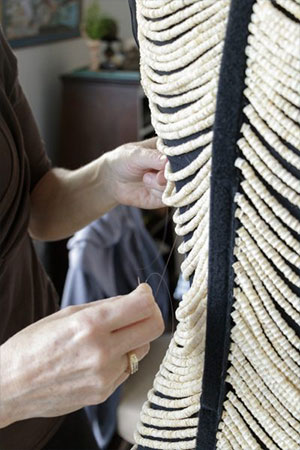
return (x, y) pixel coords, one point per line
(104, 312)
(92, 320)
(71, 309)
(128, 146)
(87, 323)
(75, 323)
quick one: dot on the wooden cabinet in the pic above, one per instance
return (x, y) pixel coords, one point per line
(100, 111)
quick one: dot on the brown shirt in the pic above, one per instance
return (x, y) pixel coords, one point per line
(26, 293)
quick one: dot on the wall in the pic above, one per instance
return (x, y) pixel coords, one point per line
(41, 66)
(39, 71)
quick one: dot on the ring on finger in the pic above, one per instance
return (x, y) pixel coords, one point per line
(133, 363)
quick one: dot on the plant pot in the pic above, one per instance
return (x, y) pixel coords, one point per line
(94, 50)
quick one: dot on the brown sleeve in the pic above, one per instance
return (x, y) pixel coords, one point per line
(8, 65)
(34, 147)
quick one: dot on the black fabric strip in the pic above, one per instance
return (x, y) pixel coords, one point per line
(224, 184)
(132, 6)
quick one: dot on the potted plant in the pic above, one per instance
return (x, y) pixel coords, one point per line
(108, 28)
(97, 27)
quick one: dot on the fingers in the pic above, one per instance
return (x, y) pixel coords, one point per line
(140, 353)
(155, 180)
(119, 312)
(138, 334)
(122, 370)
(161, 179)
(149, 159)
(149, 143)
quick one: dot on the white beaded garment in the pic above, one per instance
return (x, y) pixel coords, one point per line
(182, 58)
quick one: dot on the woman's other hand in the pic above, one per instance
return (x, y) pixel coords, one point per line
(75, 357)
(135, 174)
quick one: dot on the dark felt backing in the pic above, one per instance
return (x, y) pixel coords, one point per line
(224, 185)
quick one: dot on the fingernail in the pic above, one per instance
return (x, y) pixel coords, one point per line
(145, 287)
(163, 158)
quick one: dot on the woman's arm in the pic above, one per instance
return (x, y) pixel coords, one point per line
(65, 201)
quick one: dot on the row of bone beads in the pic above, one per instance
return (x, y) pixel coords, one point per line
(265, 351)
(285, 344)
(181, 45)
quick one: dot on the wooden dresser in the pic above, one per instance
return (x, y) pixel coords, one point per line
(100, 111)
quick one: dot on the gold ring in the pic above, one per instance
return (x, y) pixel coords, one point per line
(133, 363)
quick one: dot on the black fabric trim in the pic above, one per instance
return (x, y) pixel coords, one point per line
(224, 185)
(132, 6)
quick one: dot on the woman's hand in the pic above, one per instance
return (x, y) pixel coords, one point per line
(135, 174)
(75, 357)
(64, 201)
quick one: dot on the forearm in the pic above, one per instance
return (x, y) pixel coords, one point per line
(9, 385)
(65, 201)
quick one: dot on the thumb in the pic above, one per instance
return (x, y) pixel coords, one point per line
(143, 288)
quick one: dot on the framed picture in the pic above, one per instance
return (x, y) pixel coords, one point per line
(33, 22)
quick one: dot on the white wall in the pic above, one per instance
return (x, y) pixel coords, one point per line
(41, 66)
(39, 71)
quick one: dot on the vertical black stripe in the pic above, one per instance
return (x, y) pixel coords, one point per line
(132, 6)
(224, 184)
